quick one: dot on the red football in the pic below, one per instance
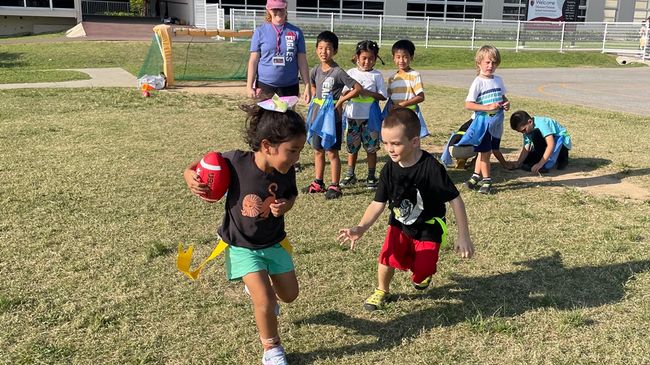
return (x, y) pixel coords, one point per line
(213, 170)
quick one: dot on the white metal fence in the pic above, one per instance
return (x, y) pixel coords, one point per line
(617, 37)
(209, 16)
(104, 7)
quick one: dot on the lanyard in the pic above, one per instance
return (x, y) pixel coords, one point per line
(279, 37)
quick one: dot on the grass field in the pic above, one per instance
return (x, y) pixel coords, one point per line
(199, 58)
(94, 205)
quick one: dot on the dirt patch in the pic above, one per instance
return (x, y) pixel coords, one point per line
(594, 183)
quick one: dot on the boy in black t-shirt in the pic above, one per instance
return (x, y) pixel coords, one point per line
(416, 187)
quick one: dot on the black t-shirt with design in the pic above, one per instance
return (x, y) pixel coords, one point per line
(415, 194)
(248, 221)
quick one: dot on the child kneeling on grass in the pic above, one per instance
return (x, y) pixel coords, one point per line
(546, 143)
(416, 187)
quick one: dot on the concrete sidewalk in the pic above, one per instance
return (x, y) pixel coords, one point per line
(99, 77)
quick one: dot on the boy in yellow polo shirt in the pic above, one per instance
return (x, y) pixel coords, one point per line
(405, 88)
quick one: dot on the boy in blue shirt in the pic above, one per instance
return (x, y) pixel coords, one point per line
(546, 143)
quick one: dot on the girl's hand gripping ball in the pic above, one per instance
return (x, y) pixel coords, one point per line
(213, 171)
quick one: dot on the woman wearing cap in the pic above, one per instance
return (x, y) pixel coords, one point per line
(277, 54)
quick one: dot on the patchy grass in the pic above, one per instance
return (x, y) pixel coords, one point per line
(94, 205)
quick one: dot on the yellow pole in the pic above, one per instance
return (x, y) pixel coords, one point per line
(164, 33)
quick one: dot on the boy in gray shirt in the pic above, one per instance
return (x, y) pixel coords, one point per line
(325, 125)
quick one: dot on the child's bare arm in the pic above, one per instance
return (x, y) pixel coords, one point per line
(353, 234)
(372, 94)
(475, 107)
(502, 160)
(355, 91)
(304, 75)
(192, 180)
(417, 99)
(464, 245)
(550, 145)
(282, 206)
(505, 104)
(499, 156)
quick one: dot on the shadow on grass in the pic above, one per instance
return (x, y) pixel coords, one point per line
(573, 176)
(8, 59)
(581, 182)
(542, 283)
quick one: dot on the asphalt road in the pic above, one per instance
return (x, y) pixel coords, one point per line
(625, 89)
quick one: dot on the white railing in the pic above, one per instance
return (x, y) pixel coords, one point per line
(103, 7)
(461, 33)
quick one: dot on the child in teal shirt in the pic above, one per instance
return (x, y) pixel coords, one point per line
(546, 143)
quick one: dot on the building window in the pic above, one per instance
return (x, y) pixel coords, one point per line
(641, 10)
(361, 7)
(459, 9)
(11, 3)
(63, 4)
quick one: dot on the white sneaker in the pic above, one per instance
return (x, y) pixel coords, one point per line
(275, 356)
(277, 304)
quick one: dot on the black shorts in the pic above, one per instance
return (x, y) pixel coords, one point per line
(292, 90)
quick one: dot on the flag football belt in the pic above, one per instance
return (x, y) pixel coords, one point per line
(413, 107)
(443, 225)
(320, 101)
(184, 258)
(363, 99)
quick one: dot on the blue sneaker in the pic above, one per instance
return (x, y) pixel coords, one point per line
(275, 356)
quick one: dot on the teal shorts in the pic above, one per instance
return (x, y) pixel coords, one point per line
(241, 261)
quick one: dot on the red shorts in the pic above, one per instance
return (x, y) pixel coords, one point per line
(402, 252)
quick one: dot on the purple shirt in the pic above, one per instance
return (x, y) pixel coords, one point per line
(265, 41)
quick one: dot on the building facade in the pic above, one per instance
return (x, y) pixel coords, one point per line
(18, 17)
(588, 10)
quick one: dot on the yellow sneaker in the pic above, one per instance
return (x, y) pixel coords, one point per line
(424, 284)
(375, 301)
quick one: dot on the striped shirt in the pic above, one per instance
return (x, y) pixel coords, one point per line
(485, 91)
(403, 86)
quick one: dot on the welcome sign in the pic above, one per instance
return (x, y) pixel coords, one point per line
(552, 10)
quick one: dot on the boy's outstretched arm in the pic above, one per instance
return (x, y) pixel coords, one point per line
(550, 145)
(353, 234)
(522, 156)
(502, 160)
(463, 245)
